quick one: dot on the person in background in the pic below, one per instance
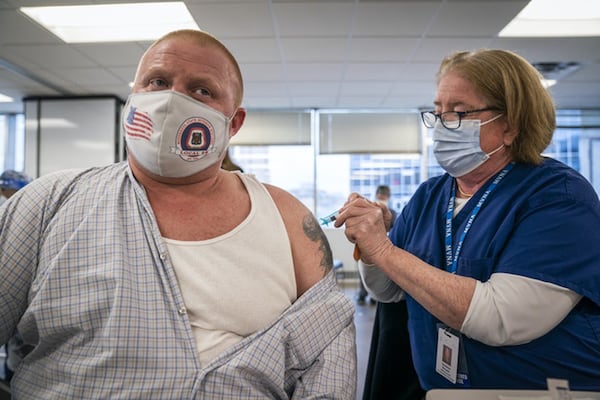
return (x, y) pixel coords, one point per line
(11, 182)
(498, 258)
(166, 276)
(383, 194)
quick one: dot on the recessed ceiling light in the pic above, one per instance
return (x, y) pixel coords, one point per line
(6, 99)
(112, 22)
(555, 18)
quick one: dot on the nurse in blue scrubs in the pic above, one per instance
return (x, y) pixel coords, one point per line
(499, 258)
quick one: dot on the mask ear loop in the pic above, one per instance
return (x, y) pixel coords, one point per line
(491, 120)
(487, 122)
(495, 151)
(228, 121)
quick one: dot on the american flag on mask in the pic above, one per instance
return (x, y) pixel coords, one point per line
(138, 124)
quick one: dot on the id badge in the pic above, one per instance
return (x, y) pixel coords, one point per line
(446, 360)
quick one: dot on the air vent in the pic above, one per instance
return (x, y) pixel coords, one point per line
(556, 70)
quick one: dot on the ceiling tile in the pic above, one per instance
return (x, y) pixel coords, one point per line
(83, 76)
(373, 71)
(389, 19)
(322, 19)
(464, 19)
(259, 72)
(435, 49)
(312, 50)
(303, 53)
(304, 89)
(382, 49)
(243, 20)
(314, 71)
(51, 56)
(254, 50)
(113, 54)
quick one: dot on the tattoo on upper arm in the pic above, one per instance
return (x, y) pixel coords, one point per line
(314, 232)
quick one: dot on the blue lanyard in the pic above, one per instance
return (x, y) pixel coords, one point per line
(450, 259)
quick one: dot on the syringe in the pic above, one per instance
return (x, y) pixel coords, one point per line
(332, 217)
(329, 218)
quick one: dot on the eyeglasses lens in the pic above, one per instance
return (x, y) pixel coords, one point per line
(451, 119)
(429, 119)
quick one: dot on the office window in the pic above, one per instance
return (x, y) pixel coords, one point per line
(337, 175)
(369, 132)
(12, 141)
(3, 139)
(288, 167)
(323, 181)
(401, 172)
(576, 142)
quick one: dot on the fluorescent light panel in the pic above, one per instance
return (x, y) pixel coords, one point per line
(112, 22)
(556, 18)
(5, 99)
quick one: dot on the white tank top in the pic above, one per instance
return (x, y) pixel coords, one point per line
(238, 283)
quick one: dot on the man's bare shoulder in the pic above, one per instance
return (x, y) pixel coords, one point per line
(311, 250)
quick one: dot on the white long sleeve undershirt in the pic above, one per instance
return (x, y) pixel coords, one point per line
(512, 309)
(508, 309)
(379, 286)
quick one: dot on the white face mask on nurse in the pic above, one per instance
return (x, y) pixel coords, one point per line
(456, 141)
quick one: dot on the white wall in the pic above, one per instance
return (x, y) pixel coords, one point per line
(342, 249)
(71, 133)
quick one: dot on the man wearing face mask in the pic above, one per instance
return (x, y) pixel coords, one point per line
(498, 258)
(166, 276)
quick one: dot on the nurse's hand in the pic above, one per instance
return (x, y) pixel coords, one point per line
(366, 225)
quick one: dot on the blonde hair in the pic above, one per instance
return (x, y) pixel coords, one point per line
(204, 39)
(510, 83)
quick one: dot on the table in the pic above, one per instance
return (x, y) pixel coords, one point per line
(493, 394)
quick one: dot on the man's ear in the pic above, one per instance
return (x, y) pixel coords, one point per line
(237, 121)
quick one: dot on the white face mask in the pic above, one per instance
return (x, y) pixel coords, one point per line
(173, 135)
(458, 151)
